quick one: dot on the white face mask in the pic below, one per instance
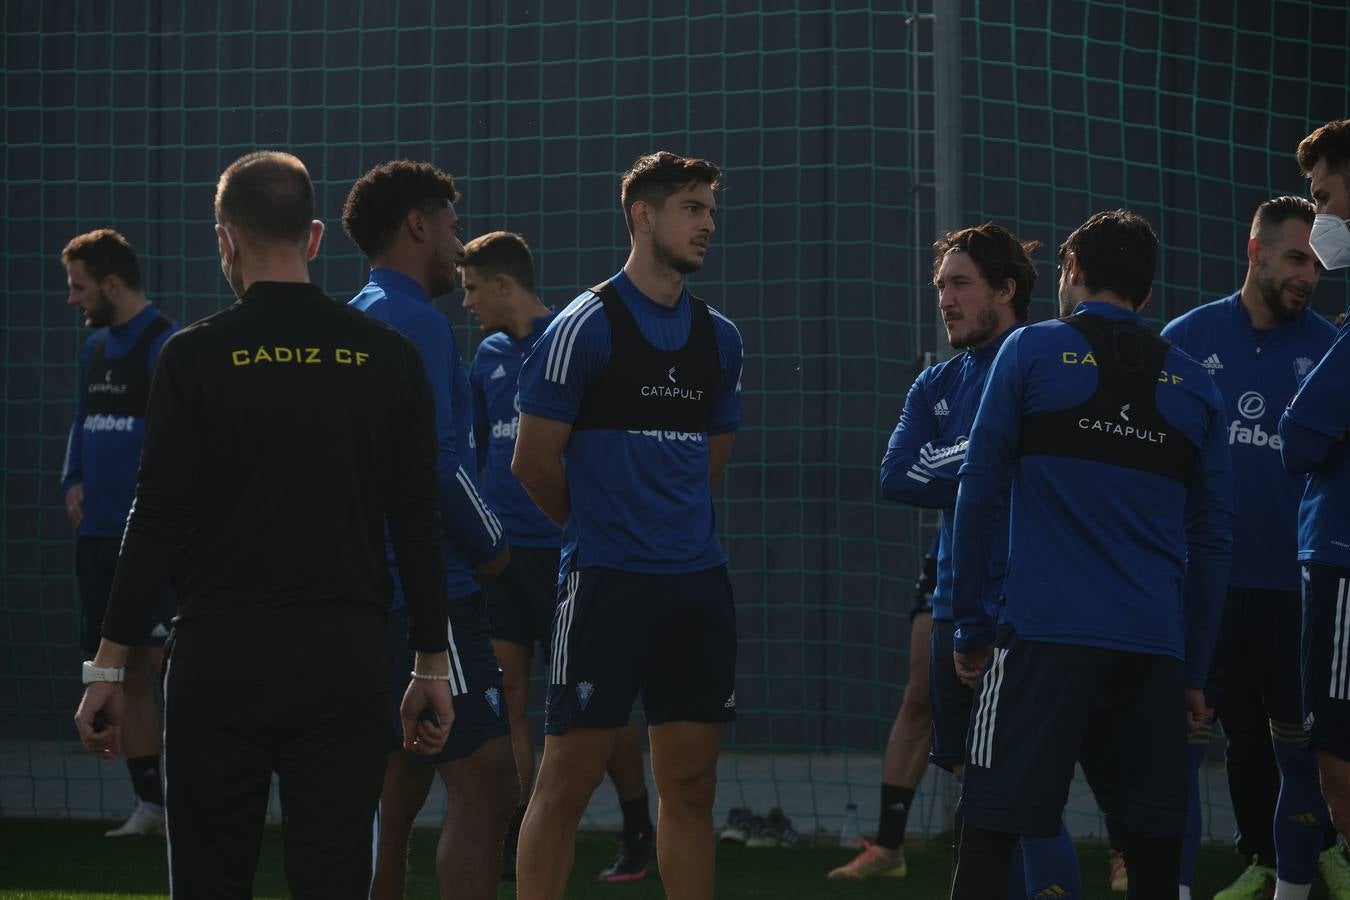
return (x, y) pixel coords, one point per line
(1330, 240)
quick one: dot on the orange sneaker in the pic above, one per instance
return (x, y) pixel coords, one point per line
(875, 861)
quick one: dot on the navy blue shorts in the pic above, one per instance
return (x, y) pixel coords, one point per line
(1326, 659)
(1042, 706)
(669, 637)
(1258, 647)
(950, 701)
(95, 565)
(521, 599)
(475, 683)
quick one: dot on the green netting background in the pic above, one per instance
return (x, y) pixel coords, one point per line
(821, 114)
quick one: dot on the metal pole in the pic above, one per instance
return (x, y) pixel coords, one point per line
(947, 167)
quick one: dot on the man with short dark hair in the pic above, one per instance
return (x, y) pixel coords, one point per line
(1313, 432)
(98, 480)
(497, 271)
(1115, 448)
(1257, 345)
(629, 405)
(402, 216)
(283, 435)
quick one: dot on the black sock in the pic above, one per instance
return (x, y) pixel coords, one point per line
(895, 801)
(982, 860)
(145, 779)
(637, 824)
(1153, 864)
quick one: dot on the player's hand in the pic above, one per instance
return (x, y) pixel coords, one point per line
(970, 665)
(1197, 713)
(99, 718)
(427, 714)
(75, 505)
(496, 565)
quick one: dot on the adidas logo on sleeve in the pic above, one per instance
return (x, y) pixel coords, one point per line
(499, 372)
(1212, 363)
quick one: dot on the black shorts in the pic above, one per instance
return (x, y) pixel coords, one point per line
(95, 565)
(1258, 649)
(521, 599)
(669, 637)
(1326, 659)
(1041, 706)
(475, 681)
(949, 699)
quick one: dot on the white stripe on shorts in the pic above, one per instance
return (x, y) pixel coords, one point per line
(1340, 646)
(458, 684)
(982, 738)
(562, 625)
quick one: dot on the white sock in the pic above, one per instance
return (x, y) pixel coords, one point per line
(1286, 891)
(1184, 892)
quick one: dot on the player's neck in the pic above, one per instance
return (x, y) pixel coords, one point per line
(125, 312)
(660, 283)
(520, 322)
(405, 263)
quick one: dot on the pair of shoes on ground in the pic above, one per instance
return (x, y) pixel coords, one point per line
(773, 830)
(1257, 881)
(146, 820)
(873, 861)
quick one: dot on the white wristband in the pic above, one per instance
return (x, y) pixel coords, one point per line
(424, 677)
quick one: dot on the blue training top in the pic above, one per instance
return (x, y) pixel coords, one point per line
(104, 452)
(473, 532)
(1257, 371)
(1100, 553)
(1313, 430)
(640, 499)
(494, 377)
(927, 449)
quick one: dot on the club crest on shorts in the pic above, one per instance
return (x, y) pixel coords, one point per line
(584, 691)
(494, 699)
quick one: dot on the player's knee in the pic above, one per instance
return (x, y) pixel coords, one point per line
(689, 787)
(916, 706)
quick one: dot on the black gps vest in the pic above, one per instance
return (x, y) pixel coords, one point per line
(644, 388)
(121, 387)
(1120, 423)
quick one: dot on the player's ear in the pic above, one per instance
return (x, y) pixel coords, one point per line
(1253, 250)
(226, 244)
(315, 238)
(642, 216)
(1008, 291)
(503, 283)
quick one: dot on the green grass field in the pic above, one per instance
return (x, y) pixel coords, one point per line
(44, 860)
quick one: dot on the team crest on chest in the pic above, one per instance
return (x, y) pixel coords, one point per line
(1302, 366)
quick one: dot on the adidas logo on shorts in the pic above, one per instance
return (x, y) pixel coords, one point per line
(731, 701)
(1212, 363)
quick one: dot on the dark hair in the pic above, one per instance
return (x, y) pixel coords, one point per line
(500, 253)
(383, 197)
(104, 252)
(998, 255)
(1330, 142)
(267, 195)
(1272, 214)
(654, 177)
(1117, 252)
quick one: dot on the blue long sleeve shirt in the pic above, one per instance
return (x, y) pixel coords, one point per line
(494, 377)
(1314, 433)
(1257, 371)
(927, 448)
(103, 453)
(472, 531)
(1099, 554)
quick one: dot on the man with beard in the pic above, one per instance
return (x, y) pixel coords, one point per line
(99, 480)
(1258, 344)
(402, 216)
(984, 278)
(1314, 430)
(629, 404)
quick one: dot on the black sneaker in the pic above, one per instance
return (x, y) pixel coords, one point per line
(509, 844)
(737, 829)
(774, 830)
(634, 858)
